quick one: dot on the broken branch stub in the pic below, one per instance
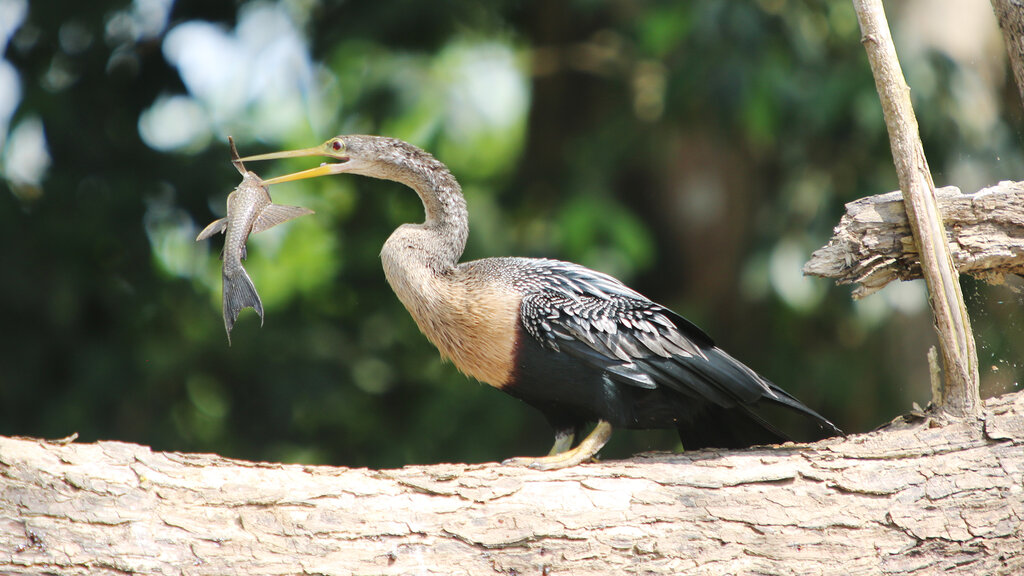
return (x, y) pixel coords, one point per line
(872, 245)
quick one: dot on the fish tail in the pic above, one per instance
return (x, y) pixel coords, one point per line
(239, 293)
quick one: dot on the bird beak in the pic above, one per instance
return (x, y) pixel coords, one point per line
(301, 153)
(321, 170)
(324, 169)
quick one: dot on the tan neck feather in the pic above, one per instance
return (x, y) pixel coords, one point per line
(470, 318)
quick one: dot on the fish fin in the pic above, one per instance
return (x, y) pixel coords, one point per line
(275, 214)
(239, 294)
(219, 225)
(235, 160)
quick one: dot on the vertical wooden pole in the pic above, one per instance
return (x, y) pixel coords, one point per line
(959, 395)
(1010, 14)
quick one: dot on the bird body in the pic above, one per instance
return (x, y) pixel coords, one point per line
(581, 347)
(575, 343)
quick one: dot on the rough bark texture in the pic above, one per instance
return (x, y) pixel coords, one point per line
(956, 340)
(915, 498)
(872, 245)
(1010, 14)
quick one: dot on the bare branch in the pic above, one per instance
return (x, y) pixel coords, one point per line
(956, 340)
(1010, 14)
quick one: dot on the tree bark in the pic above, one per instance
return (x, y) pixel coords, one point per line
(1010, 14)
(872, 245)
(956, 340)
(915, 498)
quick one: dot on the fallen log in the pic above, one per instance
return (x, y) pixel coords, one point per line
(915, 498)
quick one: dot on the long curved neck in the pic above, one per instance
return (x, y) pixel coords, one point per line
(440, 240)
(419, 259)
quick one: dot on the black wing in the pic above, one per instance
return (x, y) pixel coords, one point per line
(637, 342)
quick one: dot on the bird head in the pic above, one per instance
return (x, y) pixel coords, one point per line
(354, 154)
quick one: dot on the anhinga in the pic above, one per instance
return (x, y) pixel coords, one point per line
(576, 344)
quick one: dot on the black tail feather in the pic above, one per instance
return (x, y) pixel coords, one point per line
(724, 428)
(783, 398)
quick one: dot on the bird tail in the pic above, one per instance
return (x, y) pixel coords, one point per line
(745, 425)
(783, 398)
(761, 419)
(744, 408)
(239, 293)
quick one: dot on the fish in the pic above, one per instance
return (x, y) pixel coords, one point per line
(249, 210)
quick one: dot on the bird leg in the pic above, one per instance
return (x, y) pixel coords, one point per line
(563, 440)
(586, 450)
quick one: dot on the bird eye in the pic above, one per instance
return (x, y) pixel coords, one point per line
(337, 145)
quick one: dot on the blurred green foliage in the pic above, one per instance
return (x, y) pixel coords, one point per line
(699, 151)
